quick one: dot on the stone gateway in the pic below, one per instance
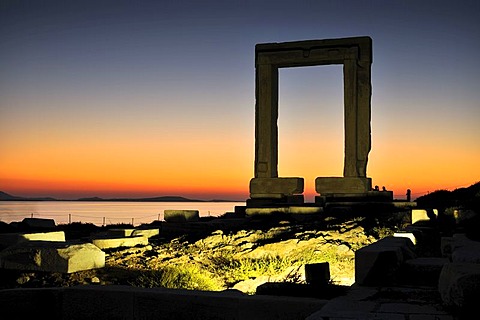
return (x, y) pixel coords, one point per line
(355, 54)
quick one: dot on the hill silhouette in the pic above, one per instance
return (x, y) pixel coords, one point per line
(467, 198)
(154, 199)
(8, 197)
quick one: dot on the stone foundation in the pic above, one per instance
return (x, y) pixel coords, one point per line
(343, 185)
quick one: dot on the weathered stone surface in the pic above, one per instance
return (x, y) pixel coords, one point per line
(379, 263)
(39, 223)
(146, 232)
(265, 211)
(459, 248)
(384, 303)
(249, 286)
(129, 303)
(468, 252)
(181, 215)
(400, 308)
(423, 215)
(446, 246)
(119, 232)
(292, 289)
(356, 56)
(408, 235)
(31, 303)
(403, 242)
(305, 210)
(52, 256)
(291, 210)
(459, 284)
(317, 274)
(259, 200)
(344, 308)
(280, 186)
(282, 248)
(329, 185)
(106, 243)
(375, 265)
(423, 271)
(9, 239)
(267, 196)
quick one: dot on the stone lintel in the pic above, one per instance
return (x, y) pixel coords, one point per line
(363, 43)
(342, 185)
(306, 57)
(276, 186)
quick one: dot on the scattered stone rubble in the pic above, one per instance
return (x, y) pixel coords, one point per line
(404, 276)
(52, 256)
(50, 252)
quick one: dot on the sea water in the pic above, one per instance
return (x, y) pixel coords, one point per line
(106, 212)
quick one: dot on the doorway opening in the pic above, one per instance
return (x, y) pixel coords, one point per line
(311, 124)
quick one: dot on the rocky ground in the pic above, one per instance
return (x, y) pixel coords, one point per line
(240, 257)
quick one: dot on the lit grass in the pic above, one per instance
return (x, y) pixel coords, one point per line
(190, 277)
(224, 267)
(233, 270)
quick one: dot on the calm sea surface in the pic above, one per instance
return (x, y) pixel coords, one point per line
(104, 213)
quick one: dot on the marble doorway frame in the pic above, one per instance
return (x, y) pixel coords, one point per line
(355, 54)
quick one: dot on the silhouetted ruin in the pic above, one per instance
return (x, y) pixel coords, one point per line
(267, 188)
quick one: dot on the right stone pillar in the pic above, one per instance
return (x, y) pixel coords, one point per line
(357, 118)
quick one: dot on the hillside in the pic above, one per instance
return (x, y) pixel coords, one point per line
(467, 198)
(8, 197)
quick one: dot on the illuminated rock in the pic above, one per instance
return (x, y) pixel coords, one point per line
(52, 256)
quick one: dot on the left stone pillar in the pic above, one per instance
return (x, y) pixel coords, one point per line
(266, 186)
(266, 116)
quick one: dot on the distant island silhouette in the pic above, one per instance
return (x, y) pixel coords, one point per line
(466, 196)
(8, 197)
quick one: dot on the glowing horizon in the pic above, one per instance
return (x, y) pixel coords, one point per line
(72, 191)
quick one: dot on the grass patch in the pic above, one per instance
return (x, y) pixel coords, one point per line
(190, 277)
(233, 269)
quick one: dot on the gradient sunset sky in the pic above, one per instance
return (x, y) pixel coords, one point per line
(151, 98)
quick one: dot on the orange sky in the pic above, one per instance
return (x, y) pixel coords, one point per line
(221, 166)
